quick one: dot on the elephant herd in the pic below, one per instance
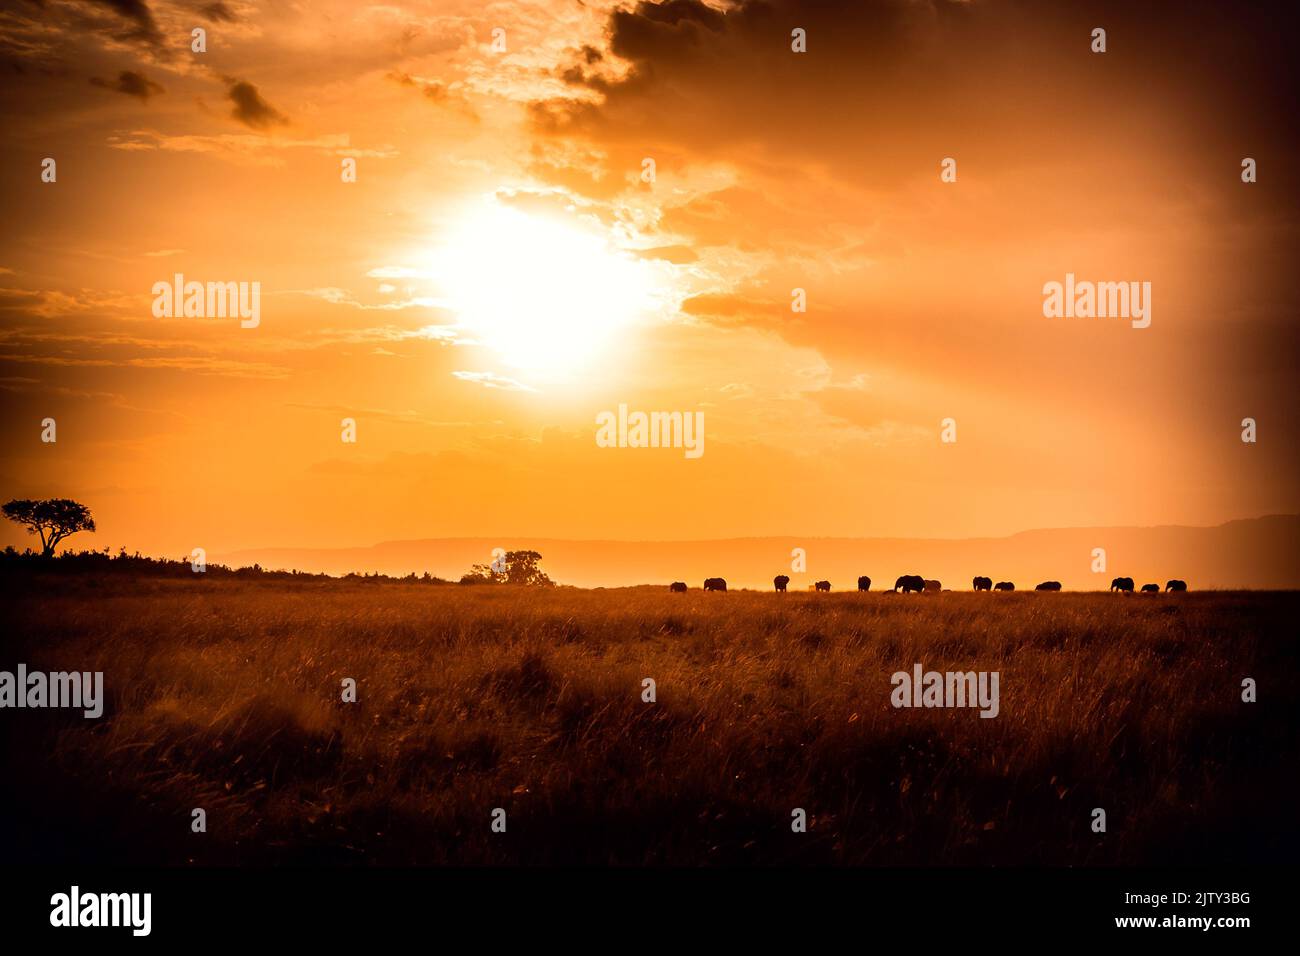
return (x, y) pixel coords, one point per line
(915, 583)
(1126, 585)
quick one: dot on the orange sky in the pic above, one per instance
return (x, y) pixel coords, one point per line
(499, 273)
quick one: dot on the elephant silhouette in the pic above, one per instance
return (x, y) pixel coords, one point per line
(1150, 589)
(982, 584)
(677, 586)
(1176, 585)
(823, 585)
(715, 584)
(1049, 586)
(1122, 584)
(780, 581)
(910, 582)
(864, 583)
(1004, 586)
(933, 587)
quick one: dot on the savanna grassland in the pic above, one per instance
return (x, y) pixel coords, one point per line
(226, 695)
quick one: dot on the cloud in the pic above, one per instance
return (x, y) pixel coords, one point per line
(130, 83)
(493, 380)
(337, 296)
(248, 149)
(251, 109)
(731, 308)
(678, 255)
(137, 13)
(407, 417)
(218, 12)
(204, 365)
(436, 91)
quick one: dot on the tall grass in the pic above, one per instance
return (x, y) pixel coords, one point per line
(225, 695)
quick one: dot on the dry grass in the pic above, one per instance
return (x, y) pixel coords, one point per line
(226, 695)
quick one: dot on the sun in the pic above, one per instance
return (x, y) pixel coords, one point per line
(546, 295)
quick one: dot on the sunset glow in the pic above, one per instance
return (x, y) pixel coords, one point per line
(545, 296)
(475, 229)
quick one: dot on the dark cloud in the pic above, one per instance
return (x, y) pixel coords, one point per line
(218, 12)
(887, 83)
(250, 109)
(137, 13)
(130, 83)
(654, 30)
(65, 39)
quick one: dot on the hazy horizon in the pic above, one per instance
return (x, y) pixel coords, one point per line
(1254, 552)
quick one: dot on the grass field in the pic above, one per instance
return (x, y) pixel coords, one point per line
(226, 695)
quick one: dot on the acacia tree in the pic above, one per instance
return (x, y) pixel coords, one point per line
(520, 567)
(52, 518)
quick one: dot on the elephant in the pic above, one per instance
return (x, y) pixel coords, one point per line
(982, 584)
(933, 587)
(1122, 584)
(864, 583)
(677, 587)
(910, 582)
(1150, 589)
(1004, 586)
(715, 584)
(780, 582)
(1176, 585)
(823, 585)
(1049, 586)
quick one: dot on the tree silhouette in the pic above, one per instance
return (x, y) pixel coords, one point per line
(52, 518)
(521, 567)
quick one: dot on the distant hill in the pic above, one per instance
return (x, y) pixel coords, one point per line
(1250, 553)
